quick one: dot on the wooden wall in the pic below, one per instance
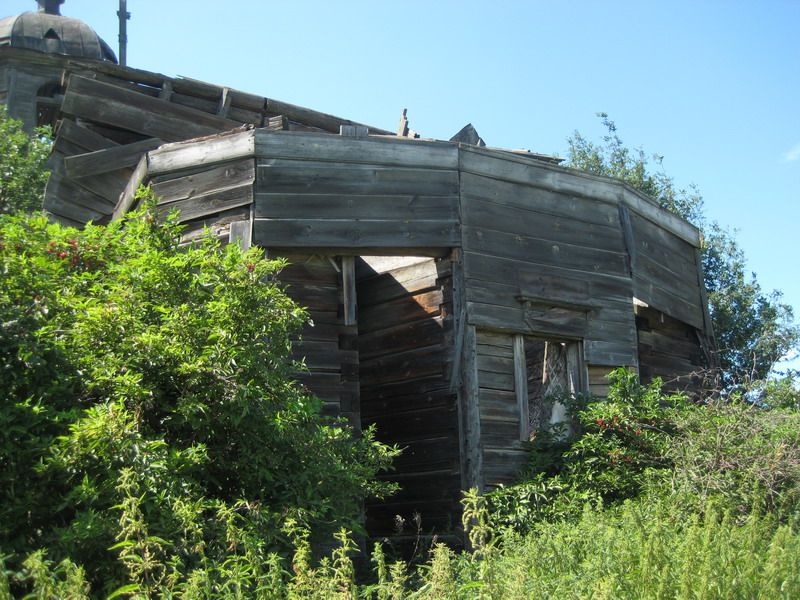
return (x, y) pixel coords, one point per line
(540, 261)
(671, 350)
(327, 346)
(666, 272)
(502, 452)
(405, 351)
(358, 194)
(536, 250)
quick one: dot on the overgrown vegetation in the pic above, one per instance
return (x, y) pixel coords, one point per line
(150, 429)
(22, 166)
(705, 507)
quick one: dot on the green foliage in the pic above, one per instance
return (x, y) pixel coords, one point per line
(710, 511)
(619, 445)
(753, 329)
(150, 429)
(744, 457)
(22, 166)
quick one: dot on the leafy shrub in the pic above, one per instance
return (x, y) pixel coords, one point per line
(618, 445)
(150, 429)
(743, 456)
(22, 166)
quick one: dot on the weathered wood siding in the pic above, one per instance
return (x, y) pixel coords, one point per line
(328, 346)
(326, 191)
(540, 261)
(405, 340)
(671, 350)
(502, 452)
(133, 109)
(665, 272)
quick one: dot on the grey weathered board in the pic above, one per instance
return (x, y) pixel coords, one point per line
(328, 346)
(404, 333)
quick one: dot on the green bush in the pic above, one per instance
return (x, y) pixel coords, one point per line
(150, 430)
(22, 166)
(618, 445)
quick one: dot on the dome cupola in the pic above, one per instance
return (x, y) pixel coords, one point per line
(48, 31)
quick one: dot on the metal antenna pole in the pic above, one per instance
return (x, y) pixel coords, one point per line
(124, 16)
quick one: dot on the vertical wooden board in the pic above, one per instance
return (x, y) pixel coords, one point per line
(521, 385)
(470, 399)
(349, 285)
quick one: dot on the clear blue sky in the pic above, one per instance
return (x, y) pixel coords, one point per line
(712, 86)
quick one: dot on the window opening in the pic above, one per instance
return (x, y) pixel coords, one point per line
(552, 374)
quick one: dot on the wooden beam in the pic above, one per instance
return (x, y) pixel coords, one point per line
(224, 103)
(110, 159)
(128, 195)
(354, 131)
(120, 107)
(330, 233)
(627, 235)
(214, 149)
(521, 386)
(469, 398)
(349, 286)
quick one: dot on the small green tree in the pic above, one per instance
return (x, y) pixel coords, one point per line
(754, 329)
(22, 166)
(150, 429)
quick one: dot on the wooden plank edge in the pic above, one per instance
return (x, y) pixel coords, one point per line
(128, 195)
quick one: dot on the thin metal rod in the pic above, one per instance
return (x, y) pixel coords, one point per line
(124, 16)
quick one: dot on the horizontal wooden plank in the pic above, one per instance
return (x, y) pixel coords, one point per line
(547, 281)
(349, 206)
(225, 147)
(392, 151)
(404, 336)
(217, 224)
(493, 164)
(403, 310)
(620, 353)
(209, 204)
(552, 321)
(499, 405)
(172, 186)
(326, 178)
(685, 286)
(669, 303)
(495, 364)
(404, 366)
(661, 245)
(481, 213)
(399, 283)
(119, 107)
(109, 159)
(543, 251)
(83, 137)
(493, 338)
(355, 234)
(526, 197)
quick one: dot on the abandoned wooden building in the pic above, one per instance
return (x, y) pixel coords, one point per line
(455, 290)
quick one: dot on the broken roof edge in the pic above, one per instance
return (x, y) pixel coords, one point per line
(186, 85)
